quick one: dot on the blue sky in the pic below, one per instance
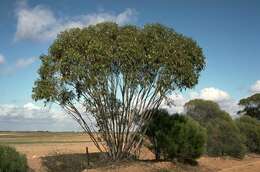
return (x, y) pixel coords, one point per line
(227, 30)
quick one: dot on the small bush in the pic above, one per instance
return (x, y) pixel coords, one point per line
(250, 128)
(176, 137)
(157, 131)
(185, 140)
(11, 160)
(224, 139)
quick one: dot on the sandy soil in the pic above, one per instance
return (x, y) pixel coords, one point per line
(251, 163)
(136, 167)
(37, 151)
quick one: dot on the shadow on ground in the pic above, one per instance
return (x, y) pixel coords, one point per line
(80, 162)
(72, 162)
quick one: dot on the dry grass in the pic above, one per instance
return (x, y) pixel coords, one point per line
(42, 137)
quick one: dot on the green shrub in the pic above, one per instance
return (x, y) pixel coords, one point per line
(251, 106)
(157, 131)
(224, 137)
(186, 139)
(250, 128)
(11, 160)
(176, 137)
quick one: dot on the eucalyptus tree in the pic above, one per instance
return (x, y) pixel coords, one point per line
(107, 77)
(251, 106)
(203, 111)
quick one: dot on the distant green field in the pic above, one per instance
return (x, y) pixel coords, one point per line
(42, 137)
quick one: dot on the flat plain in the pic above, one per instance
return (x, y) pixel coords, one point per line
(66, 151)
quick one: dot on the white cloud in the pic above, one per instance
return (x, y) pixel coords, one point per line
(231, 106)
(34, 23)
(2, 59)
(33, 117)
(214, 94)
(175, 103)
(40, 23)
(255, 88)
(24, 62)
(27, 111)
(31, 106)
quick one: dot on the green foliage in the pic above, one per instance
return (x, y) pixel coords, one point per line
(224, 137)
(250, 129)
(11, 160)
(251, 106)
(176, 137)
(115, 73)
(203, 111)
(86, 58)
(157, 130)
(186, 139)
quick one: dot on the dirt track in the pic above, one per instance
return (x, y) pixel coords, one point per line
(253, 167)
(250, 163)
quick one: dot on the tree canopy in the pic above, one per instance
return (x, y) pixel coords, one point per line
(105, 75)
(204, 111)
(251, 106)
